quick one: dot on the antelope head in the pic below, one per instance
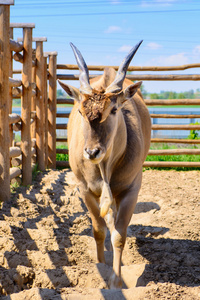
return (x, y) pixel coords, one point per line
(100, 109)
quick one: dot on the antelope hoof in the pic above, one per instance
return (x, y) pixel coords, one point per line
(115, 282)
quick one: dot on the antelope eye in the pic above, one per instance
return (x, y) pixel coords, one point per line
(113, 111)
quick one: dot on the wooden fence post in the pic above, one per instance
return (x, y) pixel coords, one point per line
(52, 110)
(40, 103)
(45, 112)
(26, 107)
(33, 104)
(4, 100)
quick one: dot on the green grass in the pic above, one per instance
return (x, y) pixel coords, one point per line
(62, 157)
(184, 158)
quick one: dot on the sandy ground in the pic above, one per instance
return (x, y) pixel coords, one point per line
(47, 250)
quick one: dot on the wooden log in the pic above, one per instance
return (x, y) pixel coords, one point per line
(17, 71)
(61, 126)
(176, 141)
(171, 164)
(10, 88)
(40, 106)
(33, 115)
(4, 103)
(62, 151)
(33, 143)
(7, 2)
(45, 113)
(169, 116)
(65, 101)
(15, 46)
(174, 152)
(157, 102)
(15, 172)
(17, 92)
(17, 127)
(19, 58)
(22, 25)
(14, 151)
(14, 82)
(62, 164)
(175, 127)
(33, 105)
(16, 161)
(14, 118)
(35, 39)
(26, 108)
(62, 115)
(61, 140)
(138, 77)
(52, 112)
(131, 68)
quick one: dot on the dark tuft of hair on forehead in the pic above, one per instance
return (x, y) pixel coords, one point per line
(94, 104)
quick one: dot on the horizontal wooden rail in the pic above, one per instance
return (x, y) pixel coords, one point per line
(17, 71)
(61, 140)
(17, 92)
(22, 25)
(19, 58)
(155, 102)
(175, 127)
(153, 140)
(14, 172)
(62, 164)
(131, 68)
(17, 161)
(171, 164)
(175, 152)
(15, 46)
(14, 151)
(62, 151)
(139, 77)
(176, 141)
(62, 115)
(61, 126)
(65, 101)
(14, 118)
(33, 143)
(14, 82)
(169, 116)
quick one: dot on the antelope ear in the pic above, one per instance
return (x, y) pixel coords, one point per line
(131, 90)
(71, 91)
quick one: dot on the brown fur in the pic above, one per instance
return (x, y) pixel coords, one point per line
(125, 140)
(95, 104)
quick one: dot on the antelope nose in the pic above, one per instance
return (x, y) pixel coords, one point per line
(92, 153)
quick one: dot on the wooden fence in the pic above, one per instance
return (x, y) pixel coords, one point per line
(149, 102)
(37, 89)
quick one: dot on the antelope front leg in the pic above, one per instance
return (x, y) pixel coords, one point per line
(127, 202)
(98, 224)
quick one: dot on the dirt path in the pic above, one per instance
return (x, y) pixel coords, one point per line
(47, 250)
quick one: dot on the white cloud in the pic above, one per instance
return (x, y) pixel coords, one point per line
(113, 29)
(154, 46)
(125, 48)
(196, 50)
(176, 59)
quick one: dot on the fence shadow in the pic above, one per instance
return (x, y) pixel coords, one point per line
(23, 241)
(170, 260)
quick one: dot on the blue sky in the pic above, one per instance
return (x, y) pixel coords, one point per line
(105, 30)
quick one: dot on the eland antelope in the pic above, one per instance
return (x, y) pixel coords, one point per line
(109, 137)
